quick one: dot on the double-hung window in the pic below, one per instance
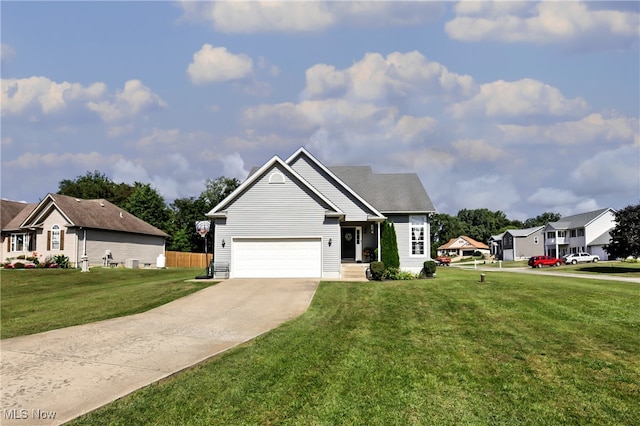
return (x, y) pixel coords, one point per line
(418, 233)
(55, 237)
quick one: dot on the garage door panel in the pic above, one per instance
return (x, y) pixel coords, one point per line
(275, 258)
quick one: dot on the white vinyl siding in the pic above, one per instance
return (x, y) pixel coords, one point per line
(354, 210)
(409, 262)
(276, 210)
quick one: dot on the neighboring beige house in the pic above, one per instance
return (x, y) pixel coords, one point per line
(462, 246)
(74, 227)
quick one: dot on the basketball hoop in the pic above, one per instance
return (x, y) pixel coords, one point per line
(202, 227)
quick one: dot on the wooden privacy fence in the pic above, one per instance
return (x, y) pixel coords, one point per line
(178, 259)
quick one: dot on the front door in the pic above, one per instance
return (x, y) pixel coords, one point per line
(349, 243)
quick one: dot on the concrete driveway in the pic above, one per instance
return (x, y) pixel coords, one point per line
(50, 378)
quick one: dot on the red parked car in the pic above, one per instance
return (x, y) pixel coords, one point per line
(540, 261)
(443, 260)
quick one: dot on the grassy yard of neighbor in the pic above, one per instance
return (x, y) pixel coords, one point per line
(36, 300)
(518, 349)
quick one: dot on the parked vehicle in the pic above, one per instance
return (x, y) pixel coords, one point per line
(443, 260)
(540, 261)
(582, 257)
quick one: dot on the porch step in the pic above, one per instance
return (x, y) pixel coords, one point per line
(354, 271)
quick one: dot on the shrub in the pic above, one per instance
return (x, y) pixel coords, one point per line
(61, 261)
(18, 265)
(429, 268)
(397, 274)
(389, 246)
(377, 270)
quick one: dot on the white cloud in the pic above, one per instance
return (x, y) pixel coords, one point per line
(493, 192)
(134, 99)
(216, 64)
(609, 172)
(91, 160)
(298, 16)
(589, 129)
(377, 78)
(562, 201)
(234, 167)
(519, 99)
(547, 22)
(477, 150)
(37, 96)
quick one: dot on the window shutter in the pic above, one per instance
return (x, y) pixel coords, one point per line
(8, 243)
(48, 240)
(61, 240)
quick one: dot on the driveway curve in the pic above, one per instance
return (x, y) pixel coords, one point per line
(53, 377)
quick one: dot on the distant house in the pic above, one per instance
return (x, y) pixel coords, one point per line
(584, 232)
(462, 246)
(300, 218)
(74, 227)
(520, 244)
(495, 245)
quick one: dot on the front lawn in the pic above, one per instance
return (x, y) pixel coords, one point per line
(36, 300)
(518, 349)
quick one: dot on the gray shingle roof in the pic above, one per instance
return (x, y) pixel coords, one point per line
(389, 192)
(97, 214)
(576, 220)
(524, 232)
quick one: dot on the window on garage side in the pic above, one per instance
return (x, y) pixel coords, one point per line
(418, 233)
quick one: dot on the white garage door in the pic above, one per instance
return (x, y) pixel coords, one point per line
(277, 258)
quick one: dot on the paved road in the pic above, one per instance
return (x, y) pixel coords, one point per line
(72, 371)
(549, 271)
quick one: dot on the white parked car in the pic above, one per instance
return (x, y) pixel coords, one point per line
(574, 258)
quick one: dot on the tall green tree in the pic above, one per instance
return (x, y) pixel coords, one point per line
(443, 228)
(542, 219)
(147, 204)
(389, 246)
(92, 185)
(625, 237)
(185, 212)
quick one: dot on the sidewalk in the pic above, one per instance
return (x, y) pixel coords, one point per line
(53, 377)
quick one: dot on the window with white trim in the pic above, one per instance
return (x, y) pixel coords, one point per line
(55, 237)
(17, 242)
(418, 234)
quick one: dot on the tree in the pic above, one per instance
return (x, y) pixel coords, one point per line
(90, 186)
(625, 237)
(185, 212)
(218, 189)
(147, 204)
(542, 220)
(443, 228)
(389, 246)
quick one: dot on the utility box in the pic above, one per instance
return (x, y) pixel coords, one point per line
(131, 263)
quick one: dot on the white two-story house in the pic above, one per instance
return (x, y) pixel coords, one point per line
(584, 232)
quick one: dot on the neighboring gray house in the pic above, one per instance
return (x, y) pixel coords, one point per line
(518, 244)
(584, 232)
(299, 218)
(74, 227)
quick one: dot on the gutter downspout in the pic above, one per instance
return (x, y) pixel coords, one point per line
(379, 250)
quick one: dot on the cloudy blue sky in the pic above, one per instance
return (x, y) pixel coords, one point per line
(523, 107)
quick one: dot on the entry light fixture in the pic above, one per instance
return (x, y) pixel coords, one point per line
(223, 243)
(372, 228)
(330, 242)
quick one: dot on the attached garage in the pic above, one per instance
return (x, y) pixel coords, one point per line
(276, 257)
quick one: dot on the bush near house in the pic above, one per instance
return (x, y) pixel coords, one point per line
(377, 270)
(429, 268)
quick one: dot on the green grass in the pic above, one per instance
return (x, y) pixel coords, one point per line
(518, 349)
(36, 300)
